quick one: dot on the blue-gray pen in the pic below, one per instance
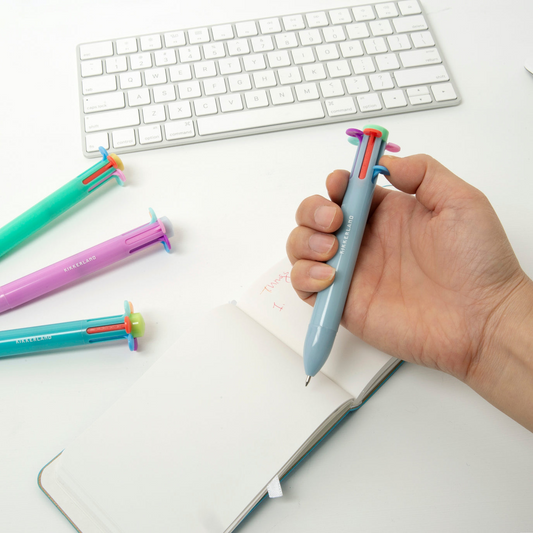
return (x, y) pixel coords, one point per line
(329, 304)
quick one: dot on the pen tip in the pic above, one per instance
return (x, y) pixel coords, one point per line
(307, 380)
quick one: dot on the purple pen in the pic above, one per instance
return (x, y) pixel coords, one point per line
(77, 266)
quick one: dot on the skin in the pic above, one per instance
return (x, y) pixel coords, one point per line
(436, 283)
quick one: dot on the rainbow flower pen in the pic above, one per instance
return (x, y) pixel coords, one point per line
(128, 326)
(60, 201)
(77, 266)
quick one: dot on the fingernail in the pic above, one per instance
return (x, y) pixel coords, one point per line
(321, 243)
(321, 272)
(324, 216)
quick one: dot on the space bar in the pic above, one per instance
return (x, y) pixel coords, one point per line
(259, 118)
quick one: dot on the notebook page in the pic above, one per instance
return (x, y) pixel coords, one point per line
(193, 442)
(272, 302)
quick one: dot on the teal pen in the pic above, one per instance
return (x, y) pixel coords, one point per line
(330, 302)
(36, 339)
(60, 201)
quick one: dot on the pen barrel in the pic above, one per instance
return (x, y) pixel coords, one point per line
(57, 336)
(49, 208)
(330, 302)
(77, 266)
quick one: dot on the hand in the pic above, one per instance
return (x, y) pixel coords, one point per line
(435, 272)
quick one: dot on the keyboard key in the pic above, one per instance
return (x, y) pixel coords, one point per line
(238, 47)
(340, 16)
(331, 88)
(174, 38)
(199, 36)
(278, 59)
(179, 130)
(254, 62)
(214, 86)
(363, 65)
(179, 110)
(351, 49)
(317, 20)
(189, 53)
(103, 102)
(386, 10)
(150, 134)
(387, 62)
(111, 120)
(310, 37)
(153, 113)
(369, 102)
(127, 46)
(422, 39)
(381, 81)
(281, 96)
(314, 72)
(302, 56)
(239, 82)
(409, 7)
(180, 73)
(380, 27)
(341, 106)
(398, 42)
(139, 61)
(363, 13)
(165, 57)
(222, 32)
(289, 75)
(164, 93)
(246, 29)
(375, 46)
(123, 138)
(293, 22)
(307, 91)
(416, 58)
(357, 84)
(205, 106)
(421, 76)
(443, 92)
(116, 64)
(264, 79)
(229, 103)
(256, 99)
(358, 31)
(205, 69)
(327, 52)
(150, 42)
(338, 69)
(260, 118)
(393, 99)
(95, 50)
(271, 25)
(155, 76)
(138, 97)
(93, 141)
(91, 68)
(130, 80)
(409, 24)
(229, 66)
(333, 35)
(286, 40)
(100, 84)
(189, 89)
(262, 44)
(214, 50)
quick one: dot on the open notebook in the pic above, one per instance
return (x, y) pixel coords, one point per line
(193, 445)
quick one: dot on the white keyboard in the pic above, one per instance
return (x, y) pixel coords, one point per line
(187, 86)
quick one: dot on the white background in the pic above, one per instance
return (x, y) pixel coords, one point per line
(426, 453)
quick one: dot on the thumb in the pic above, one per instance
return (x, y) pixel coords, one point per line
(433, 184)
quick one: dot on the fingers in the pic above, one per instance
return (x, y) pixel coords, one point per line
(305, 243)
(319, 214)
(309, 277)
(433, 184)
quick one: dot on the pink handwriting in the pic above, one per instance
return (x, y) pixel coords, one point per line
(275, 306)
(269, 287)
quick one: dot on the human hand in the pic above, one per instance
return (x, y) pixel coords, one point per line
(435, 271)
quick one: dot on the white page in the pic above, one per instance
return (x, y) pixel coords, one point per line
(193, 442)
(272, 302)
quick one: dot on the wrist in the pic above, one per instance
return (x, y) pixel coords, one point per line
(502, 371)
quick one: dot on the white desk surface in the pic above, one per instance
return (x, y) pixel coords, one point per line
(426, 453)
